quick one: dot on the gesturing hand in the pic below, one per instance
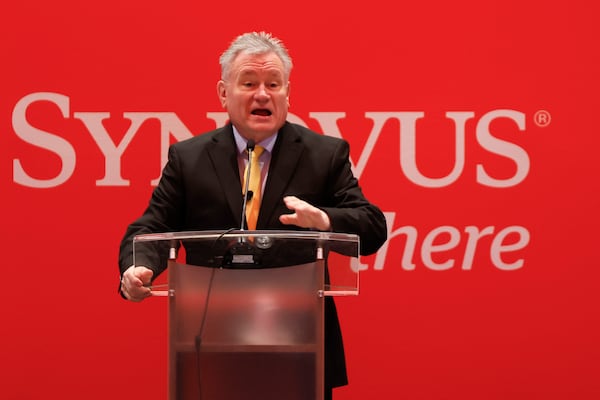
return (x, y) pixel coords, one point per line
(305, 215)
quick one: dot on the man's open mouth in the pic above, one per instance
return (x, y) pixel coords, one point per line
(262, 112)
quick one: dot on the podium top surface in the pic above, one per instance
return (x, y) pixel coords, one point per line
(239, 234)
(237, 249)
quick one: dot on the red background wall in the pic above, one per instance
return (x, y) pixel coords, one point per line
(416, 333)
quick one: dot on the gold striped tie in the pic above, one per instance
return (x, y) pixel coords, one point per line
(254, 186)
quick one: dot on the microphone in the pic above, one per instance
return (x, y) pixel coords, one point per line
(247, 195)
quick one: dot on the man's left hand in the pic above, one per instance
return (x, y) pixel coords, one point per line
(305, 215)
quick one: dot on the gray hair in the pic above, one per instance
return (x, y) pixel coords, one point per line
(255, 43)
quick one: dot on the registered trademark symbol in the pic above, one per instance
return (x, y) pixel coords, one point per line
(542, 118)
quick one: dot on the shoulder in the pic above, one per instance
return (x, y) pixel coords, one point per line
(311, 138)
(203, 141)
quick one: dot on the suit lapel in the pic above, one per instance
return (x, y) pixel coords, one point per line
(223, 155)
(286, 154)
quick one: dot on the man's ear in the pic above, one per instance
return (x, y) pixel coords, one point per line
(222, 93)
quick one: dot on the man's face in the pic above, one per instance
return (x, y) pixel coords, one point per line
(255, 94)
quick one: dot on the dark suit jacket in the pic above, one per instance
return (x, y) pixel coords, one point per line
(200, 189)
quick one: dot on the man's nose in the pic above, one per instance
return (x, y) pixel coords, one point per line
(261, 92)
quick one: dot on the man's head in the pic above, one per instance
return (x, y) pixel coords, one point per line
(254, 86)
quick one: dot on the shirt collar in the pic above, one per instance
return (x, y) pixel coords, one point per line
(241, 142)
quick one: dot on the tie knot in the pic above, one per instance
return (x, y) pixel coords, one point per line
(258, 150)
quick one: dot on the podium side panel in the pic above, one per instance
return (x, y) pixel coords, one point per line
(250, 333)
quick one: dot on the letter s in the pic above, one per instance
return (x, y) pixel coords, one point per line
(43, 139)
(503, 148)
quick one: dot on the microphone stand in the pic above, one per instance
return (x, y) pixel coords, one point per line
(198, 340)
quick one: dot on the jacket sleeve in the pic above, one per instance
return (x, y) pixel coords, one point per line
(163, 214)
(350, 211)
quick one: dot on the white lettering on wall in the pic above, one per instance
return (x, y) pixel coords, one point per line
(408, 146)
(503, 148)
(172, 127)
(441, 240)
(42, 139)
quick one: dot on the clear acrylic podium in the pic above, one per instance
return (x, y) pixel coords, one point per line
(246, 316)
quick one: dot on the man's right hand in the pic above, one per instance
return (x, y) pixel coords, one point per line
(135, 283)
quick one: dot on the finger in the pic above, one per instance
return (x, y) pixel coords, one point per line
(289, 198)
(291, 202)
(288, 219)
(145, 275)
(138, 294)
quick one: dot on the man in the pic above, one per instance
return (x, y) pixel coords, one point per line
(307, 182)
